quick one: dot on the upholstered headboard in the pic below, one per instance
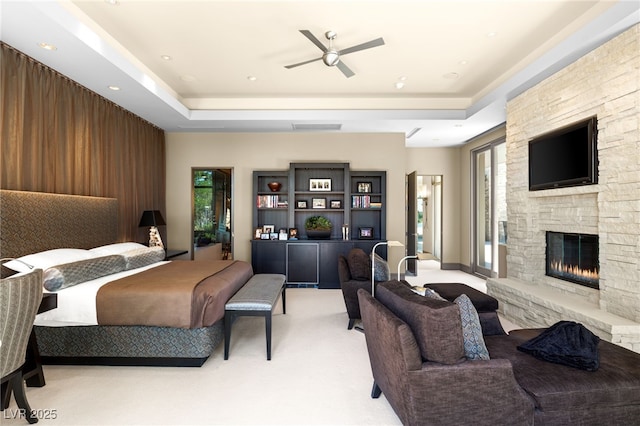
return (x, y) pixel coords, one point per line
(35, 221)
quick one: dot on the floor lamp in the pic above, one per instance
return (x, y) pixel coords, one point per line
(373, 260)
(402, 260)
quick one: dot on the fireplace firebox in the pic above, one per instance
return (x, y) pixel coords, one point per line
(573, 257)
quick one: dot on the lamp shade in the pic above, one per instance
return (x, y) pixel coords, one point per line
(151, 218)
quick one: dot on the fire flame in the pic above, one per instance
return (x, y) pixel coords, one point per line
(575, 271)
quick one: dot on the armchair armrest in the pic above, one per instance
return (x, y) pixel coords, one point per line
(481, 392)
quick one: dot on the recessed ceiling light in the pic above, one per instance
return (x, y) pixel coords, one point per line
(252, 78)
(492, 34)
(47, 46)
(187, 78)
(451, 76)
(166, 57)
(463, 62)
(114, 88)
(112, 2)
(399, 85)
(402, 78)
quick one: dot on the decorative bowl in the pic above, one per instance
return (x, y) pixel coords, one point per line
(274, 186)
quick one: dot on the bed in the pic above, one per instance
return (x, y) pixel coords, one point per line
(118, 303)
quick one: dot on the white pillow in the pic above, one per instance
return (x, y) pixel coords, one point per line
(117, 248)
(49, 258)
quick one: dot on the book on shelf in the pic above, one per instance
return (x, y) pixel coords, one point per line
(271, 202)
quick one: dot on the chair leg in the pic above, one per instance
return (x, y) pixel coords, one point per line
(376, 391)
(351, 323)
(17, 384)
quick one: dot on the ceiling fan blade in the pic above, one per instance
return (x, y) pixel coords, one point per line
(367, 45)
(345, 69)
(302, 63)
(314, 40)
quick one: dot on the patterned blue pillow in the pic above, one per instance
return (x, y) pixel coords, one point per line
(74, 273)
(144, 256)
(474, 346)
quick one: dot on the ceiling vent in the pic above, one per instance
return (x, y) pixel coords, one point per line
(317, 127)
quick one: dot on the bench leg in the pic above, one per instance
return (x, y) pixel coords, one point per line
(284, 298)
(267, 321)
(228, 319)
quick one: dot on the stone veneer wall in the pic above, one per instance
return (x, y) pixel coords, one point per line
(604, 83)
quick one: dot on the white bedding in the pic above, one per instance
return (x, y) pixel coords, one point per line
(77, 304)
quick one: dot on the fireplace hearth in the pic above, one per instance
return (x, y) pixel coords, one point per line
(573, 257)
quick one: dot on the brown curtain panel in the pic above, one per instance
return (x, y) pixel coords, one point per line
(59, 137)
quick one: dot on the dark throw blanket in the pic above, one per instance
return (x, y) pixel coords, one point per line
(567, 343)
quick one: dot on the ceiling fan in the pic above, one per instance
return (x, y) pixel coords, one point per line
(331, 56)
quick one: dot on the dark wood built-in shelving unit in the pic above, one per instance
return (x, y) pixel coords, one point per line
(308, 261)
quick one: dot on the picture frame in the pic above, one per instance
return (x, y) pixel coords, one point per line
(365, 233)
(319, 184)
(364, 187)
(268, 229)
(265, 236)
(293, 233)
(283, 234)
(319, 203)
(336, 204)
(301, 204)
(273, 236)
(257, 233)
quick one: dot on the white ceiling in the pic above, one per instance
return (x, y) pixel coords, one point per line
(216, 45)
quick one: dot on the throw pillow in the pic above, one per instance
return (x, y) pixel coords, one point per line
(138, 258)
(380, 269)
(359, 265)
(435, 323)
(474, 346)
(70, 274)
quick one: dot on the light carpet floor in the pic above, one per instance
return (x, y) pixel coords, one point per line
(319, 374)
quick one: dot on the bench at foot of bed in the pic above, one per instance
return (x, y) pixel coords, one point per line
(256, 298)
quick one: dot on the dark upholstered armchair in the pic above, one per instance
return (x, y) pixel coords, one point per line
(20, 297)
(354, 273)
(350, 288)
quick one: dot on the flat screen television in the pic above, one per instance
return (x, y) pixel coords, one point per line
(565, 157)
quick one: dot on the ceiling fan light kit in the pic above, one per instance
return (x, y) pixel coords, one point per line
(331, 56)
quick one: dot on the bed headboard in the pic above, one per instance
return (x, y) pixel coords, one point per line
(35, 221)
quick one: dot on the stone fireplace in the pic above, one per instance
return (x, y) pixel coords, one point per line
(602, 83)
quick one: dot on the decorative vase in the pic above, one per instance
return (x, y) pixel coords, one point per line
(274, 186)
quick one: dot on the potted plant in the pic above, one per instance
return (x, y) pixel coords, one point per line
(318, 227)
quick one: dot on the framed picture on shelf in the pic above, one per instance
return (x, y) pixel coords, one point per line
(364, 187)
(257, 233)
(319, 184)
(365, 233)
(265, 236)
(267, 229)
(293, 233)
(273, 236)
(319, 203)
(301, 205)
(283, 234)
(336, 204)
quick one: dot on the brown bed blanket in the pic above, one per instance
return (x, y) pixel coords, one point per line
(180, 294)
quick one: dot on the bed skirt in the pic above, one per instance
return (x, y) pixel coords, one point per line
(128, 345)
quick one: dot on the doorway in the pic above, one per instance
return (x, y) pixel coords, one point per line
(424, 219)
(489, 208)
(211, 224)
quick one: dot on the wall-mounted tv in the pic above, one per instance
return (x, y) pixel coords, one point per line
(565, 157)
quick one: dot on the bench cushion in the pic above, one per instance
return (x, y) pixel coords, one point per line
(260, 293)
